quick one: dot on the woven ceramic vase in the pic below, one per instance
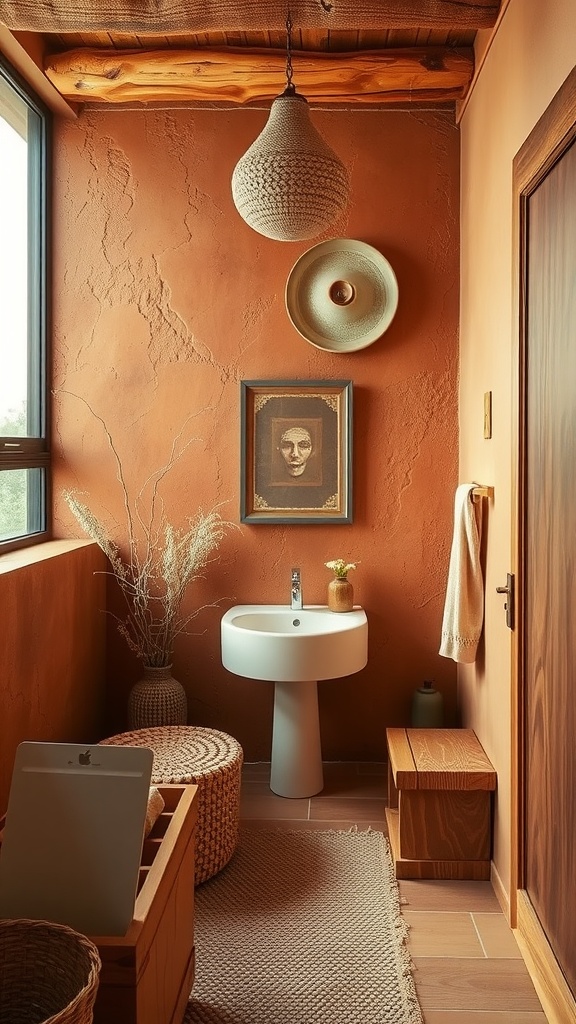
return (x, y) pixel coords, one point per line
(157, 699)
(340, 595)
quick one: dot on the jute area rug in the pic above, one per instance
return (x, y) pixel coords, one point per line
(303, 927)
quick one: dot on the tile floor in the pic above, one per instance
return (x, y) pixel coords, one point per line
(467, 965)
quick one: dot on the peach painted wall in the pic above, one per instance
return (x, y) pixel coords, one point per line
(52, 648)
(531, 55)
(164, 300)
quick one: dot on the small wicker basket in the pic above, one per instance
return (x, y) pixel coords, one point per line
(49, 974)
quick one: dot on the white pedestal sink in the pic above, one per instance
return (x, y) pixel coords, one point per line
(294, 649)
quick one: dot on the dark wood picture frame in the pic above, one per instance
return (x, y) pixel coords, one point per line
(296, 451)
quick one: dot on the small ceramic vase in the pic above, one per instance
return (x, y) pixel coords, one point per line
(340, 595)
(427, 707)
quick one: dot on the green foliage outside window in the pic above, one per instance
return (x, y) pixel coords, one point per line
(13, 482)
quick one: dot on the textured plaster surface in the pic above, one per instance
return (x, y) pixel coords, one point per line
(164, 300)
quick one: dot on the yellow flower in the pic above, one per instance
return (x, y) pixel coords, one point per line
(339, 567)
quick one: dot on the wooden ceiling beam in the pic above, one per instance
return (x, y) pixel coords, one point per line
(248, 76)
(195, 16)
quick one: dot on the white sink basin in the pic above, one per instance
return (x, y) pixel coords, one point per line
(293, 649)
(275, 643)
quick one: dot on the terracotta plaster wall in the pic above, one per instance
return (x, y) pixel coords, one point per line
(531, 55)
(52, 648)
(164, 300)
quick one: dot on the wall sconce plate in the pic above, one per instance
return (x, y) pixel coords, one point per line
(341, 295)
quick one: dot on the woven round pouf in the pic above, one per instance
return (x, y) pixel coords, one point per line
(211, 760)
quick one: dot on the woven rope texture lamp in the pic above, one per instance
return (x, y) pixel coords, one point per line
(290, 185)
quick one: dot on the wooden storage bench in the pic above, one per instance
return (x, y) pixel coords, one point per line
(439, 793)
(147, 974)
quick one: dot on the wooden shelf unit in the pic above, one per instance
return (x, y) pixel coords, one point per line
(439, 816)
(147, 974)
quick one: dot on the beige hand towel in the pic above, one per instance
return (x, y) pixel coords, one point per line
(464, 607)
(153, 810)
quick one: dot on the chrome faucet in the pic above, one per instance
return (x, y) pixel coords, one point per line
(296, 591)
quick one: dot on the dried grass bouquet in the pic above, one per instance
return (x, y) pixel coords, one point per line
(162, 561)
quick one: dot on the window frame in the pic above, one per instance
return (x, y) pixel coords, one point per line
(34, 452)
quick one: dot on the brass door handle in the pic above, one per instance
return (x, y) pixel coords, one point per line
(509, 606)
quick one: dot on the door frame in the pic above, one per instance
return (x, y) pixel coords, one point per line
(552, 135)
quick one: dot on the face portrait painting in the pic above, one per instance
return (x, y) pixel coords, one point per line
(295, 451)
(296, 448)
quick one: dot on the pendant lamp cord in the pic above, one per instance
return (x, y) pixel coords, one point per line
(290, 89)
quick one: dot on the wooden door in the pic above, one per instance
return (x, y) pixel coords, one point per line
(550, 567)
(547, 506)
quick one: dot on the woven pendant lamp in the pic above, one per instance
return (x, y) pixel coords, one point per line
(290, 185)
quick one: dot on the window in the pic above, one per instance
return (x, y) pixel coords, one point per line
(24, 452)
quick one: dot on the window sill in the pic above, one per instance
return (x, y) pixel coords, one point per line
(14, 560)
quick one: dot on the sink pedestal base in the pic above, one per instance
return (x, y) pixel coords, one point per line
(296, 764)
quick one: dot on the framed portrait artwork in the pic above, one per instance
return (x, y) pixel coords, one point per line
(296, 452)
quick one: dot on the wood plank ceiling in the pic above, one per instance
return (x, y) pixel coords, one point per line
(419, 56)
